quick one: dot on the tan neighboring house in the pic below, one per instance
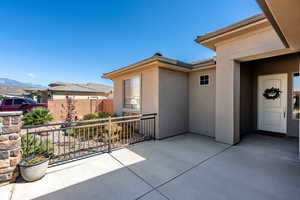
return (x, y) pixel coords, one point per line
(61, 90)
(229, 95)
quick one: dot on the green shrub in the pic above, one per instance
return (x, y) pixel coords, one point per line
(100, 132)
(103, 115)
(98, 115)
(37, 116)
(35, 146)
(84, 132)
(89, 117)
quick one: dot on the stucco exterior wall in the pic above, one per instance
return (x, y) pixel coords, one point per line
(202, 103)
(228, 77)
(149, 91)
(173, 102)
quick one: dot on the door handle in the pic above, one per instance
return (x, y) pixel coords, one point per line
(283, 114)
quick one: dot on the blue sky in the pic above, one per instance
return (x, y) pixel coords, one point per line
(44, 41)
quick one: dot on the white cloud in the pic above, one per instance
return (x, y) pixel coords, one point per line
(31, 75)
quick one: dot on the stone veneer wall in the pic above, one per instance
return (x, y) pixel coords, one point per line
(10, 146)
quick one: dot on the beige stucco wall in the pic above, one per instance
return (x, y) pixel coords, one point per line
(149, 91)
(228, 77)
(173, 102)
(202, 103)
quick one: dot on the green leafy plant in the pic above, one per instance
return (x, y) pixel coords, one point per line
(85, 132)
(103, 115)
(89, 117)
(32, 145)
(90, 131)
(37, 116)
(1, 97)
(99, 115)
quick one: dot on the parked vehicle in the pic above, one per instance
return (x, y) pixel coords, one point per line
(19, 104)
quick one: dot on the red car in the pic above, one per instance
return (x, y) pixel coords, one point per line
(19, 104)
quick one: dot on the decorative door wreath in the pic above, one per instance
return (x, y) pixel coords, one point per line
(272, 93)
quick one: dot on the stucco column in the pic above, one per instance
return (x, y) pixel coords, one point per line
(10, 146)
(227, 101)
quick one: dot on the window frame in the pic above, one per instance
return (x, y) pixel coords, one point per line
(139, 90)
(209, 80)
(292, 106)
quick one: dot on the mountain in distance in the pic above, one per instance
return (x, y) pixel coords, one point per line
(11, 82)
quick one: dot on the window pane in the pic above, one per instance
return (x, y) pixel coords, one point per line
(31, 101)
(296, 92)
(132, 93)
(204, 80)
(18, 101)
(8, 102)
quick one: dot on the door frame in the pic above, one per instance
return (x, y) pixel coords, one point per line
(259, 104)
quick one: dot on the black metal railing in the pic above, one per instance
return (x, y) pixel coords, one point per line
(64, 142)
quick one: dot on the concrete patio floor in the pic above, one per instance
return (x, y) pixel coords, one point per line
(183, 167)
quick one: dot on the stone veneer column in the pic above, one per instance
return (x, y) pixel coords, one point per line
(10, 146)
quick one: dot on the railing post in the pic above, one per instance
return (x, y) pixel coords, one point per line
(154, 128)
(109, 134)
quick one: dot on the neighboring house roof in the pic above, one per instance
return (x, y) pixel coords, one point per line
(98, 87)
(176, 63)
(231, 27)
(80, 87)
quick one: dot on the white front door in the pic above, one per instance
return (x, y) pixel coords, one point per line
(272, 112)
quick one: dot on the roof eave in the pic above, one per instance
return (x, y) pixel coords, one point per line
(177, 64)
(263, 5)
(242, 25)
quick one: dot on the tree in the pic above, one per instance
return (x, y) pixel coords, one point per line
(69, 109)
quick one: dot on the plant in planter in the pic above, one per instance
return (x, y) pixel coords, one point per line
(36, 154)
(34, 167)
(33, 145)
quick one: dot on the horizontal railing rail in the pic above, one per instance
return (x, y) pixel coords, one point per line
(67, 141)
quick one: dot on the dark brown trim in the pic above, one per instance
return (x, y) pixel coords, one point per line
(263, 5)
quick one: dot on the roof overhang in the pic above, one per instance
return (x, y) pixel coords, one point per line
(284, 16)
(154, 61)
(250, 24)
(162, 62)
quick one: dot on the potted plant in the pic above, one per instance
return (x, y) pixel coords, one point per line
(34, 167)
(35, 150)
(36, 153)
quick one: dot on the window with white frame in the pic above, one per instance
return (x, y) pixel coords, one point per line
(296, 94)
(132, 90)
(204, 80)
